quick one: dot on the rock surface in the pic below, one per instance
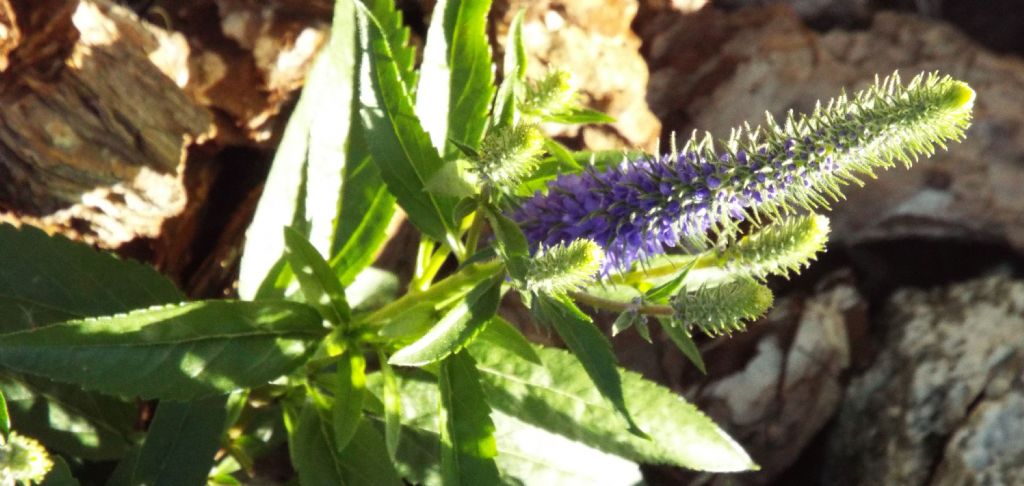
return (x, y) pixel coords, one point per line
(944, 401)
(712, 70)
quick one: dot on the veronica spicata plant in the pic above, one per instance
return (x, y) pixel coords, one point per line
(368, 378)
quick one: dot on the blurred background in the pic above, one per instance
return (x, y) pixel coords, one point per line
(147, 127)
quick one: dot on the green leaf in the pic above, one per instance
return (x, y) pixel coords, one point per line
(175, 352)
(5, 416)
(526, 454)
(364, 461)
(457, 328)
(69, 420)
(559, 399)
(663, 292)
(514, 71)
(682, 339)
(60, 474)
(563, 155)
(181, 443)
(392, 407)
(579, 116)
(397, 141)
(320, 286)
(347, 410)
(456, 79)
(304, 187)
(500, 332)
(467, 437)
(590, 346)
(46, 279)
(366, 211)
(394, 30)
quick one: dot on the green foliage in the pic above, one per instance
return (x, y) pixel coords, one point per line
(366, 385)
(175, 352)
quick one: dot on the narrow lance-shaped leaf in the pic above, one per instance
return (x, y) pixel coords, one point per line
(392, 407)
(397, 141)
(467, 434)
(181, 443)
(305, 183)
(560, 399)
(514, 70)
(347, 410)
(455, 329)
(590, 347)
(319, 284)
(175, 352)
(366, 211)
(455, 76)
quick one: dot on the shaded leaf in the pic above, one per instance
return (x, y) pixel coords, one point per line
(590, 346)
(60, 474)
(460, 325)
(319, 284)
(467, 436)
(46, 279)
(317, 461)
(68, 419)
(180, 444)
(347, 410)
(559, 399)
(175, 352)
(684, 341)
(500, 332)
(392, 408)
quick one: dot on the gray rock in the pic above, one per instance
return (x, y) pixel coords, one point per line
(943, 402)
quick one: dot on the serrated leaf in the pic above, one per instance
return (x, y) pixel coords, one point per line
(590, 347)
(684, 342)
(456, 81)
(560, 399)
(396, 139)
(500, 332)
(46, 279)
(347, 410)
(304, 187)
(458, 326)
(180, 444)
(366, 211)
(175, 352)
(526, 454)
(317, 461)
(318, 282)
(467, 436)
(69, 420)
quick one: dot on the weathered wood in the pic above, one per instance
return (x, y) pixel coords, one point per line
(93, 136)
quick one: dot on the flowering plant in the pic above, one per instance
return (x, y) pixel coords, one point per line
(367, 385)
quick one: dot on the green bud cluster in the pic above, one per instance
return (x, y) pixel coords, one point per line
(563, 267)
(508, 154)
(785, 246)
(722, 309)
(554, 93)
(23, 460)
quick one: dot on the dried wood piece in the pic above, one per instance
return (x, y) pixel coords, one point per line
(94, 141)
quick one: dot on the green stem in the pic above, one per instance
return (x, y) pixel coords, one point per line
(473, 237)
(468, 275)
(617, 306)
(432, 267)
